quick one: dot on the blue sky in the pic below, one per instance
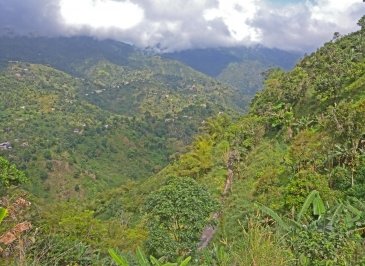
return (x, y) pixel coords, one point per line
(183, 24)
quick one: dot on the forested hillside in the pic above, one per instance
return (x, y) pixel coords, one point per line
(74, 134)
(65, 144)
(240, 67)
(289, 175)
(63, 53)
(281, 185)
(123, 80)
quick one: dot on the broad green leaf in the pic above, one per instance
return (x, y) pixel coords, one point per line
(275, 216)
(3, 213)
(359, 202)
(155, 261)
(141, 257)
(318, 206)
(315, 200)
(186, 261)
(353, 210)
(336, 214)
(117, 258)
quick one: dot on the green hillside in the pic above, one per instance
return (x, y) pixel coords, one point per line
(160, 87)
(241, 67)
(63, 53)
(66, 144)
(118, 78)
(303, 136)
(62, 128)
(247, 76)
(281, 185)
(304, 132)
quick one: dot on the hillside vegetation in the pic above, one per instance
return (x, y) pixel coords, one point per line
(288, 176)
(66, 144)
(241, 67)
(281, 185)
(75, 136)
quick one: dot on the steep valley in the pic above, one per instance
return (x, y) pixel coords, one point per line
(130, 158)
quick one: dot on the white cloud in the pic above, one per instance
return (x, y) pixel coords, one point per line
(101, 13)
(332, 11)
(181, 24)
(307, 24)
(237, 16)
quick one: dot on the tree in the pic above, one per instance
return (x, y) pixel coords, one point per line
(346, 121)
(10, 175)
(336, 35)
(302, 183)
(199, 160)
(361, 23)
(178, 212)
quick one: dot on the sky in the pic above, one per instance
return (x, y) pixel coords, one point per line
(173, 25)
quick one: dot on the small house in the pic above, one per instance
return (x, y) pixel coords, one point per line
(5, 146)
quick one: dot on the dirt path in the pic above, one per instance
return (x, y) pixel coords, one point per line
(209, 231)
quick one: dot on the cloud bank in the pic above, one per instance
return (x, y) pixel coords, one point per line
(171, 25)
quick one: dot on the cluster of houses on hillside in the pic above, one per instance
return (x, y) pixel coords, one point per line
(5, 146)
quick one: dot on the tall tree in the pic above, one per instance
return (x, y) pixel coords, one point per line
(178, 212)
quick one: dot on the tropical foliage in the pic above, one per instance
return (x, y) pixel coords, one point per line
(281, 185)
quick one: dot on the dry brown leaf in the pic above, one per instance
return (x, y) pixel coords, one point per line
(21, 202)
(7, 238)
(20, 228)
(14, 233)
